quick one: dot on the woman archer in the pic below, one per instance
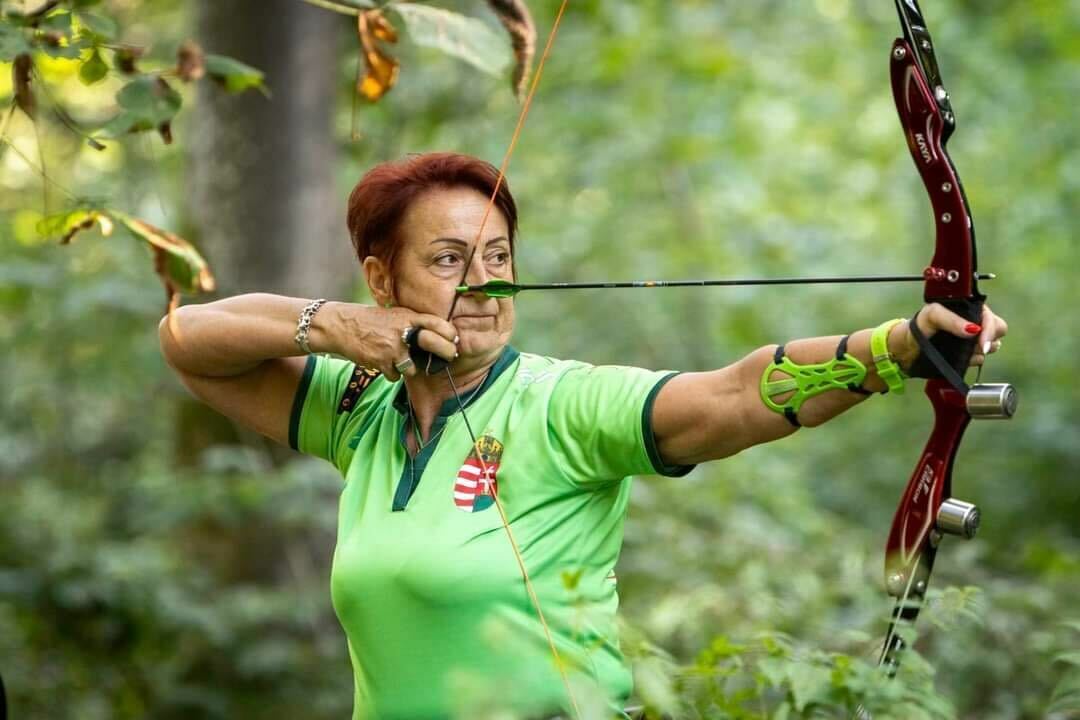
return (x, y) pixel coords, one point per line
(436, 467)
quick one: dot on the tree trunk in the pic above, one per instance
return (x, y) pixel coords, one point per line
(264, 204)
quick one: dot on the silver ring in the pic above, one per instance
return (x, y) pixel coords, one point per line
(405, 335)
(402, 366)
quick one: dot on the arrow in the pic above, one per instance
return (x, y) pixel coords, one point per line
(505, 289)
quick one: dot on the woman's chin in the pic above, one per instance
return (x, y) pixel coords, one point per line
(480, 344)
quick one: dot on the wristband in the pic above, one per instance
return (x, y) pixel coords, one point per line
(304, 324)
(887, 368)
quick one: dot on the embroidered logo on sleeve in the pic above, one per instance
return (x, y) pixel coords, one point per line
(476, 485)
(358, 383)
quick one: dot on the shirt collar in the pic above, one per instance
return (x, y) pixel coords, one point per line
(450, 405)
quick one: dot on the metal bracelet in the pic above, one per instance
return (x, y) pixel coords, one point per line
(304, 324)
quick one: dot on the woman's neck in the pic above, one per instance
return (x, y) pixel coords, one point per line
(428, 393)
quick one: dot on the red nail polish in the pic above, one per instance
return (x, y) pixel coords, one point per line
(972, 328)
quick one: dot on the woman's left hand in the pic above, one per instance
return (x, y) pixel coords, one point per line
(934, 318)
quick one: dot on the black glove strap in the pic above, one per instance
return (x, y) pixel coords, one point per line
(937, 360)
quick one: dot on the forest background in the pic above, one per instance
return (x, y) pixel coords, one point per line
(156, 561)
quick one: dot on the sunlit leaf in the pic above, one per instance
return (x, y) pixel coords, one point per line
(234, 75)
(67, 225)
(93, 69)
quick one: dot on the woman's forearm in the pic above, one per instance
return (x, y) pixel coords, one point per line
(711, 415)
(233, 335)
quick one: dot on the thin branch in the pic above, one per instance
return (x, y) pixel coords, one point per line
(346, 7)
(65, 118)
(30, 163)
(44, 173)
(4, 127)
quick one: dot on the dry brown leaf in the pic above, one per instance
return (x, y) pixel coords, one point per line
(516, 18)
(21, 73)
(125, 58)
(190, 61)
(381, 70)
(178, 264)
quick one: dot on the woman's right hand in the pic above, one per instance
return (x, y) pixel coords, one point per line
(371, 336)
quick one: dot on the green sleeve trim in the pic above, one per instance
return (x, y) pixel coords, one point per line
(298, 403)
(650, 437)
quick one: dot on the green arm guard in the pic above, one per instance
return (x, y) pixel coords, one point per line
(843, 372)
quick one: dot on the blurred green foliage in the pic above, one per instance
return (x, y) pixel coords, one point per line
(669, 140)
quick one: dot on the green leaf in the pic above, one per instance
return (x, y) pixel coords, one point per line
(1066, 696)
(67, 225)
(12, 42)
(57, 22)
(462, 37)
(99, 27)
(69, 50)
(809, 684)
(234, 75)
(149, 99)
(124, 123)
(93, 69)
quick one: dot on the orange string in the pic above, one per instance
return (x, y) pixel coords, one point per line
(530, 590)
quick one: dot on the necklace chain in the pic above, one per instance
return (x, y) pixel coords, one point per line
(420, 444)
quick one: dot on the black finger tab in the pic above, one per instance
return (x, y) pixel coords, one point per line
(426, 360)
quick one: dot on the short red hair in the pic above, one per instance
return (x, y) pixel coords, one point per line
(379, 201)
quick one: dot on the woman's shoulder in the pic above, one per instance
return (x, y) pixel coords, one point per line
(544, 367)
(543, 370)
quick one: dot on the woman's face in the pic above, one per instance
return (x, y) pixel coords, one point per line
(437, 234)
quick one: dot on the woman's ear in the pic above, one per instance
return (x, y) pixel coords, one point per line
(379, 281)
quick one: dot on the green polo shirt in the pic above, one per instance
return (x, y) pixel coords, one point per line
(424, 580)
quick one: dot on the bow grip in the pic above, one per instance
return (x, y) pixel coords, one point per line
(953, 354)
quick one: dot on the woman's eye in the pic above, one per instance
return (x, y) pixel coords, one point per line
(446, 260)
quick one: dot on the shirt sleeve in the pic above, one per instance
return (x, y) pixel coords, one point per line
(600, 418)
(329, 407)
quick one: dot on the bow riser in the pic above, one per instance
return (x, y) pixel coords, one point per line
(927, 120)
(917, 527)
(951, 274)
(909, 551)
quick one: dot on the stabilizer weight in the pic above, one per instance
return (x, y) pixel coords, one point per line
(992, 401)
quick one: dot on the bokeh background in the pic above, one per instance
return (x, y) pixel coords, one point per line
(156, 561)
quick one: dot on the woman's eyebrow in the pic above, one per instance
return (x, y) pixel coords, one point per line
(450, 241)
(465, 244)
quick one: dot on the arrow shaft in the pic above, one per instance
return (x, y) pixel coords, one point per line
(850, 279)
